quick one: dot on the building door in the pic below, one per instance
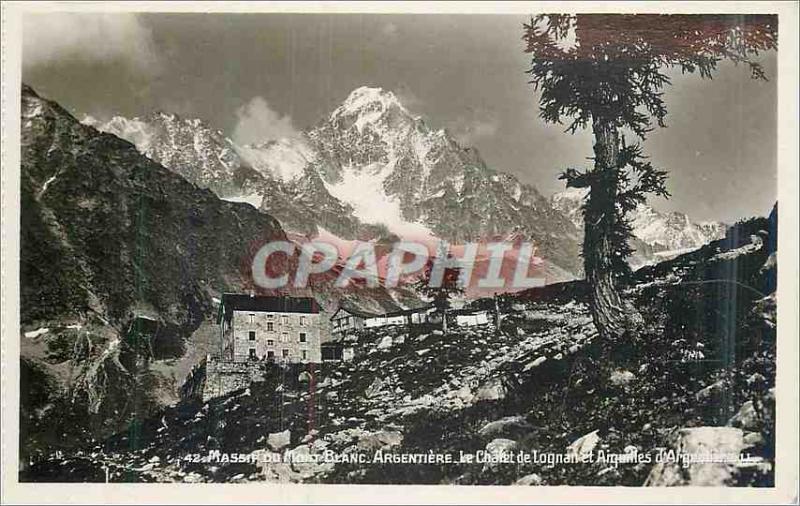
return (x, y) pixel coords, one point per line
(252, 354)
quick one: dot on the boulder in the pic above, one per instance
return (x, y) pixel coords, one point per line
(530, 479)
(753, 439)
(382, 440)
(698, 441)
(301, 461)
(492, 390)
(278, 440)
(497, 448)
(465, 394)
(374, 388)
(621, 378)
(584, 444)
(504, 425)
(746, 418)
(536, 363)
(500, 445)
(712, 391)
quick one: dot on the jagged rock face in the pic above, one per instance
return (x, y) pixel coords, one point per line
(422, 181)
(371, 169)
(656, 235)
(277, 177)
(116, 230)
(189, 147)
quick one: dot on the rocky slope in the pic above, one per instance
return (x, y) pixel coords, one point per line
(699, 375)
(656, 235)
(120, 260)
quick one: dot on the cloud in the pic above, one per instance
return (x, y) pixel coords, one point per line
(469, 130)
(88, 37)
(257, 122)
(407, 97)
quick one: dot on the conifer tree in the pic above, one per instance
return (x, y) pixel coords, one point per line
(607, 72)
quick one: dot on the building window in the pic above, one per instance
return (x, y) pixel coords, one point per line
(270, 355)
(305, 354)
(285, 320)
(285, 353)
(252, 354)
(252, 335)
(302, 321)
(270, 316)
(302, 337)
(347, 320)
(285, 337)
(252, 318)
(270, 327)
(270, 342)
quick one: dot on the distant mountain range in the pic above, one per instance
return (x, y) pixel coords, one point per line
(657, 235)
(372, 170)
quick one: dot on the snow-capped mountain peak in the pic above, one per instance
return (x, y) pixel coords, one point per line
(368, 98)
(667, 234)
(373, 110)
(135, 130)
(190, 147)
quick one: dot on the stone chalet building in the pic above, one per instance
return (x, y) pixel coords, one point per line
(280, 329)
(347, 321)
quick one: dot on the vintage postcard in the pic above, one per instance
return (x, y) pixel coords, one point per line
(399, 253)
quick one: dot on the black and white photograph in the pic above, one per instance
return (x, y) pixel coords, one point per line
(483, 250)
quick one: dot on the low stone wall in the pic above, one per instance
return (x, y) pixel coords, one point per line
(222, 377)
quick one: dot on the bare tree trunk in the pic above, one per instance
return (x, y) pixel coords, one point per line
(612, 315)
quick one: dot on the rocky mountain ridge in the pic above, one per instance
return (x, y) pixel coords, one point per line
(657, 235)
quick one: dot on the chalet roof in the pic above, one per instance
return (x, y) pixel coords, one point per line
(467, 311)
(261, 303)
(356, 311)
(348, 308)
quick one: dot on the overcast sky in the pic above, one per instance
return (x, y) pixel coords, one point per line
(267, 75)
